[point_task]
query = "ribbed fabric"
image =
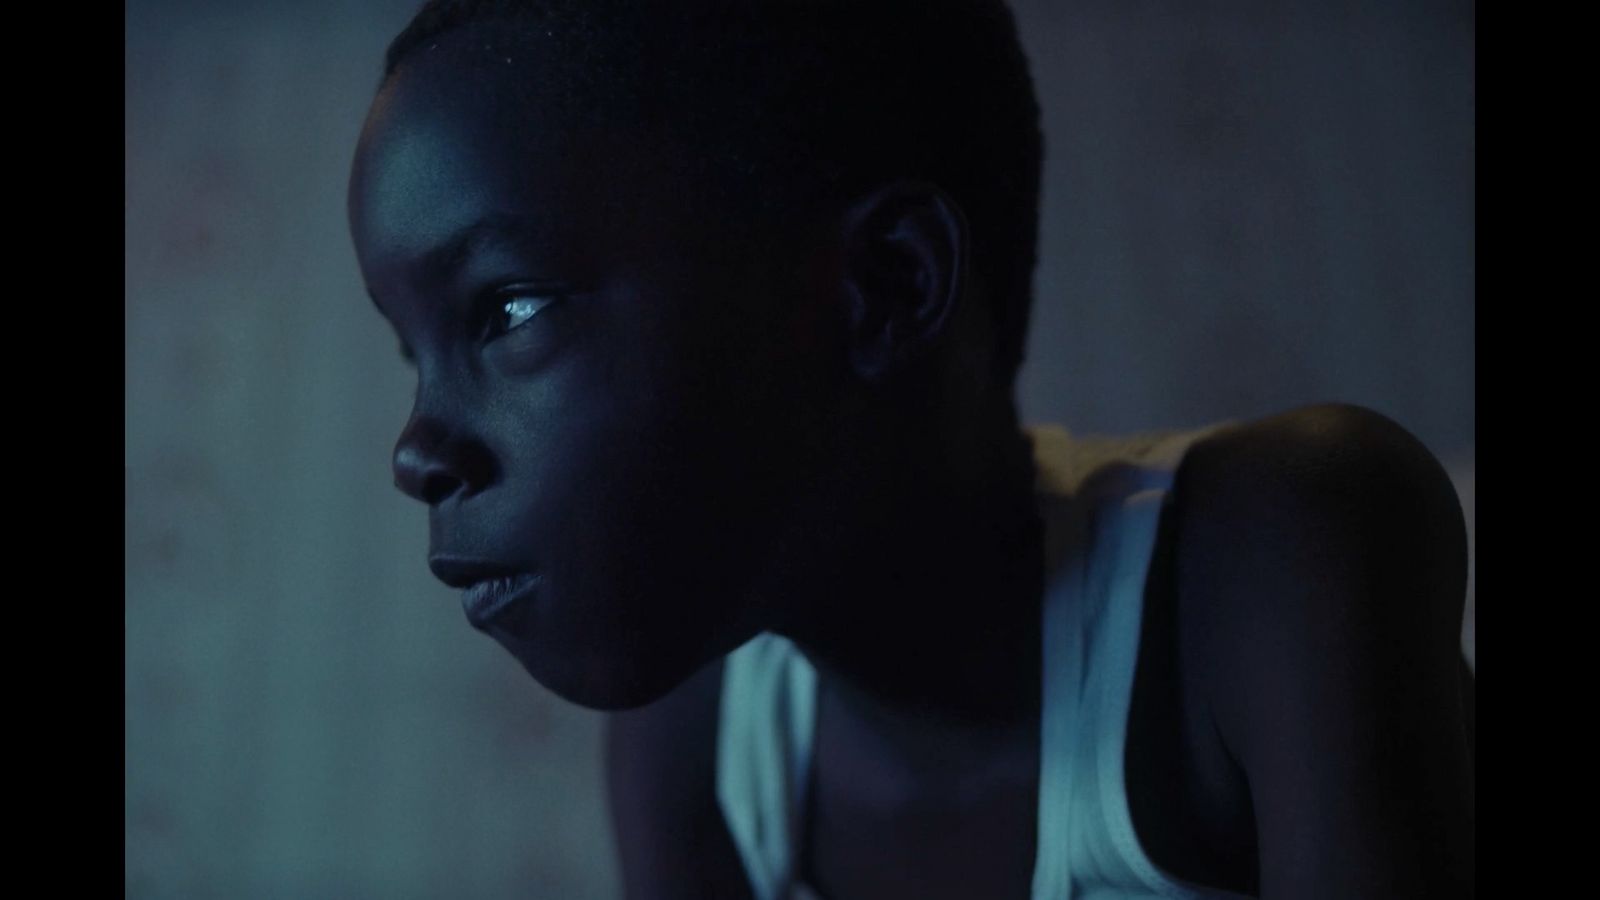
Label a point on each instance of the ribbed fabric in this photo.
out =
(1101, 503)
(767, 720)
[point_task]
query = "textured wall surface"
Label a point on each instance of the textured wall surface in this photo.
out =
(1244, 211)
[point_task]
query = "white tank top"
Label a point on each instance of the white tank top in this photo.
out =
(1101, 502)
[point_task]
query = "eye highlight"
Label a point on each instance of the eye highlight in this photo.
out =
(512, 308)
(521, 309)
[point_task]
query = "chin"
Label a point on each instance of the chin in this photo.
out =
(608, 691)
(612, 645)
(609, 676)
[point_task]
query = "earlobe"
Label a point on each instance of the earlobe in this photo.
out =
(904, 274)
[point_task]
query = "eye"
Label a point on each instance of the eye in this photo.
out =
(512, 308)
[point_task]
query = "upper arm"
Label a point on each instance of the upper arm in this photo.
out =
(1327, 551)
(661, 779)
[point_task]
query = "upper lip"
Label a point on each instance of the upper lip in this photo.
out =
(459, 572)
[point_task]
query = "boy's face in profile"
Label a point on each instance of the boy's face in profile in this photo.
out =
(613, 389)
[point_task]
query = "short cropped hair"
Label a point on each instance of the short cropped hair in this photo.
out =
(788, 104)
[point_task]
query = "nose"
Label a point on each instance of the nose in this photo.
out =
(431, 464)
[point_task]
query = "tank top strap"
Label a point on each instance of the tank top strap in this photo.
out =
(1093, 612)
(764, 736)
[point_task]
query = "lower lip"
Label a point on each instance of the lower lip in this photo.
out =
(494, 602)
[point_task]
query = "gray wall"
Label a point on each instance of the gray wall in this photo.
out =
(1244, 211)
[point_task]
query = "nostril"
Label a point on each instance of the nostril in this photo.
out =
(431, 466)
(436, 486)
(421, 469)
(420, 478)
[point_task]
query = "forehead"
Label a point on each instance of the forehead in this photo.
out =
(464, 130)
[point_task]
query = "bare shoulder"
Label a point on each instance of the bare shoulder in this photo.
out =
(1325, 468)
(1322, 516)
(1333, 445)
(1331, 493)
(1323, 551)
(661, 779)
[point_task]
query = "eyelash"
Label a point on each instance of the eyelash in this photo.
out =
(498, 307)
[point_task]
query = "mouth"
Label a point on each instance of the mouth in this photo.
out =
(490, 593)
(494, 601)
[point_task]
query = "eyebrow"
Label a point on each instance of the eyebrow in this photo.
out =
(443, 261)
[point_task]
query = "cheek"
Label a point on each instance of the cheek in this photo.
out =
(646, 581)
(651, 484)
(656, 455)
(618, 480)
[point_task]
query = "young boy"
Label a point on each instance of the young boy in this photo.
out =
(716, 311)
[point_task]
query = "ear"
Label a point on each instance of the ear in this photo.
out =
(905, 270)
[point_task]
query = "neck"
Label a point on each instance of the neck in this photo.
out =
(927, 614)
